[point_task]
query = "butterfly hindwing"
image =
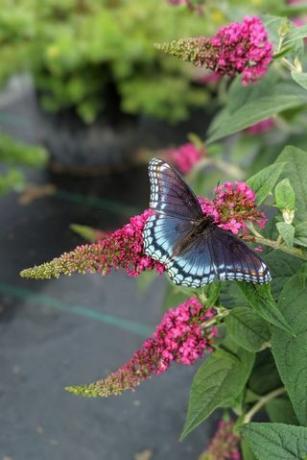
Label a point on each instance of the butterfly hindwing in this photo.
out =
(161, 234)
(169, 194)
(217, 256)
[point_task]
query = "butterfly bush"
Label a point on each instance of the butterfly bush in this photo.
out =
(121, 249)
(238, 48)
(179, 338)
(224, 445)
(233, 206)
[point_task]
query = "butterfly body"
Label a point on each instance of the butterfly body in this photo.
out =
(194, 250)
(199, 227)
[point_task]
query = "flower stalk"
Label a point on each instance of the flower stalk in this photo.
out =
(262, 402)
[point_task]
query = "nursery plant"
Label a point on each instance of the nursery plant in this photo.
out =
(15, 158)
(234, 254)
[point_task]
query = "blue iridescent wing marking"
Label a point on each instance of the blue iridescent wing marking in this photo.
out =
(214, 254)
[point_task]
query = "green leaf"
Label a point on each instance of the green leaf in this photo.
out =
(296, 172)
(246, 451)
(264, 181)
(264, 377)
(286, 231)
(284, 96)
(296, 34)
(300, 237)
(247, 329)
(261, 300)
(284, 194)
(212, 292)
(290, 352)
(219, 380)
(275, 25)
(282, 267)
(300, 78)
(276, 441)
(280, 410)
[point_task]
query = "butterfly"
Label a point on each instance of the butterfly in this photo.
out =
(194, 250)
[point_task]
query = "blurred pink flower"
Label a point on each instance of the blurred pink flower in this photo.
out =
(225, 444)
(210, 78)
(261, 127)
(184, 157)
(178, 338)
(177, 2)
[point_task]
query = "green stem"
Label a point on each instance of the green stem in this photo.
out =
(221, 314)
(262, 402)
(297, 252)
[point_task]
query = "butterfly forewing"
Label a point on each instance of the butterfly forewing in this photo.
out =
(212, 254)
(169, 194)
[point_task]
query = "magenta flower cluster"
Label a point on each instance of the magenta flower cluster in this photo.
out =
(238, 48)
(128, 244)
(184, 158)
(179, 338)
(243, 48)
(233, 206)
(225, 443)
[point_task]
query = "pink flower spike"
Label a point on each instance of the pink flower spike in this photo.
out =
(225, 443)
(238, 48)
(178, 338)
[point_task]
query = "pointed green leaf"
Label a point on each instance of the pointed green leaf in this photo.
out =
(261, 300)
(280, 410)
(296, 172)
(264, 181)
(286, 231)
(300, 237)
(219, 380)
(283, 96)
(247, 329)
(276, 441)
(284, 194)
(296, 34)
(290, 352)
(300, 78)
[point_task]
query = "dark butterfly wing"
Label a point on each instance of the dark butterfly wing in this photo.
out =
(169, 194)
(161, 234)
(218, 255)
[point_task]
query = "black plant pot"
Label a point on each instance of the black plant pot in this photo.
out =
(105, 146)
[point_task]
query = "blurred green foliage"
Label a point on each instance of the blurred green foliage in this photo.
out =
(79, 51)
(14, 154)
